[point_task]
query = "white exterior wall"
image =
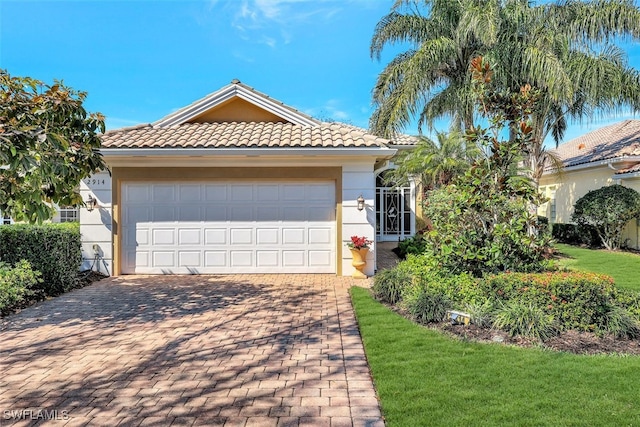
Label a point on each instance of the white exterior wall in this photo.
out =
(96, 226)
(358, 179)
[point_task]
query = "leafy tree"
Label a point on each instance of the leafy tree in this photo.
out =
(48, 143)
(436, 163)
(565, 49)
(608, 209)
(483, 223)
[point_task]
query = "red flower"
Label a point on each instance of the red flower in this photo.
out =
(359, 242)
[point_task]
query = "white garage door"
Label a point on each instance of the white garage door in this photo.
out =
(230, 227)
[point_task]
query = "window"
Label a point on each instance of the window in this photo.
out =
(552, 204)
(69, 214)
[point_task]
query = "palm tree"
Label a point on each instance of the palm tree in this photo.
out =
(431, 79)
(435, 163)
(564, 49)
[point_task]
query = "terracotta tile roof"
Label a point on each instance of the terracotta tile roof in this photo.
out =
(610, 142)
(241, 135)
(401, 139)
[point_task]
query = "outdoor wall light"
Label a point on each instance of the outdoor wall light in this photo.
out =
(91, 203)
(360, 201)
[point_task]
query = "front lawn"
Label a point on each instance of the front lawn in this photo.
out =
(426, 378)
(624, 267)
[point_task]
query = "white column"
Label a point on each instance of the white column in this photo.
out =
(96, 226)
(358, 180)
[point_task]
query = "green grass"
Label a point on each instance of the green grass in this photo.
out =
(425, 378)
(624, 267)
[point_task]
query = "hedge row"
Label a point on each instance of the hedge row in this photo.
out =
(52, 249)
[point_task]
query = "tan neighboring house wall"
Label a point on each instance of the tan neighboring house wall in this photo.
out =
(606, 156)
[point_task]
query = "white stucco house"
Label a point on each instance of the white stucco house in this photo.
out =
(238, 182)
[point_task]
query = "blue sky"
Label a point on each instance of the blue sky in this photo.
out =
(141, 60)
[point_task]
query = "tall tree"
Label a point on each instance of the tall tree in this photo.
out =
(565, 49)
(431, 79)
(48, 143)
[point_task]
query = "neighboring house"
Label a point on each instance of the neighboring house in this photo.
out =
(66, 214)
(606, 156)
(238, 182)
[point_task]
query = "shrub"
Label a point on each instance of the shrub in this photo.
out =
(630, 301)
(424, 304)
(414, 245)
(16, 284)
(620, 323)
(482, 314)
(526, 319)
(388, 285)
(52, 249)
(575, 300)
(461, 289)
(608, 209)
(483, 230)
(573, 234)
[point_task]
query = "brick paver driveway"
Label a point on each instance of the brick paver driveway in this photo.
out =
(180, 350)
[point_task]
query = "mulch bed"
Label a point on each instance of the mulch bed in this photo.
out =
(569, 341)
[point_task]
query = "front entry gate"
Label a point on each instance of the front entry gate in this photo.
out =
(393, 213)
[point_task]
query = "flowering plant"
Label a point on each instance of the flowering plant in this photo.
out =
(358, 242)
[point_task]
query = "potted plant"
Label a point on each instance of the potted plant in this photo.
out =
(359, 246)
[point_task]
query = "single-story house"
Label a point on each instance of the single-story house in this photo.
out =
(238, 182)
(606, 156)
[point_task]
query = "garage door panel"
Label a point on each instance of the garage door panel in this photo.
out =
(267, 258)
(138, 193)
(189, 258)
(215, 213)
(241, 193)
(163, 193)
(261, 227)
(241, 258)
(320, 258)
(321, 214)
(241, 236)
(215, 259)
(164, 258)
(215, 193)
(190, 213)
(294, 193)
(215, 236)
(190, 193)
(189, 236)
(137, 237)
(163, 213)
(293, 258)
(267, 236)
(320, 236)
(268, 193)
(163, 236)
(240, 213)
(293, 236)
(266, 213)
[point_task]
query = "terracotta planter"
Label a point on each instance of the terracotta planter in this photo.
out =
(359, 262)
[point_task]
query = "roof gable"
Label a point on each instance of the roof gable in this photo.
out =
(236, 102)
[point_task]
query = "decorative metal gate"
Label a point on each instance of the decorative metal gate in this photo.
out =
(393, 213)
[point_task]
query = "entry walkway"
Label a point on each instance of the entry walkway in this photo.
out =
(244, 350)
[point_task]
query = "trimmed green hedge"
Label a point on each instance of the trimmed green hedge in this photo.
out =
(16, 284)
(575, 300)
(573, 234)
(52, 249)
